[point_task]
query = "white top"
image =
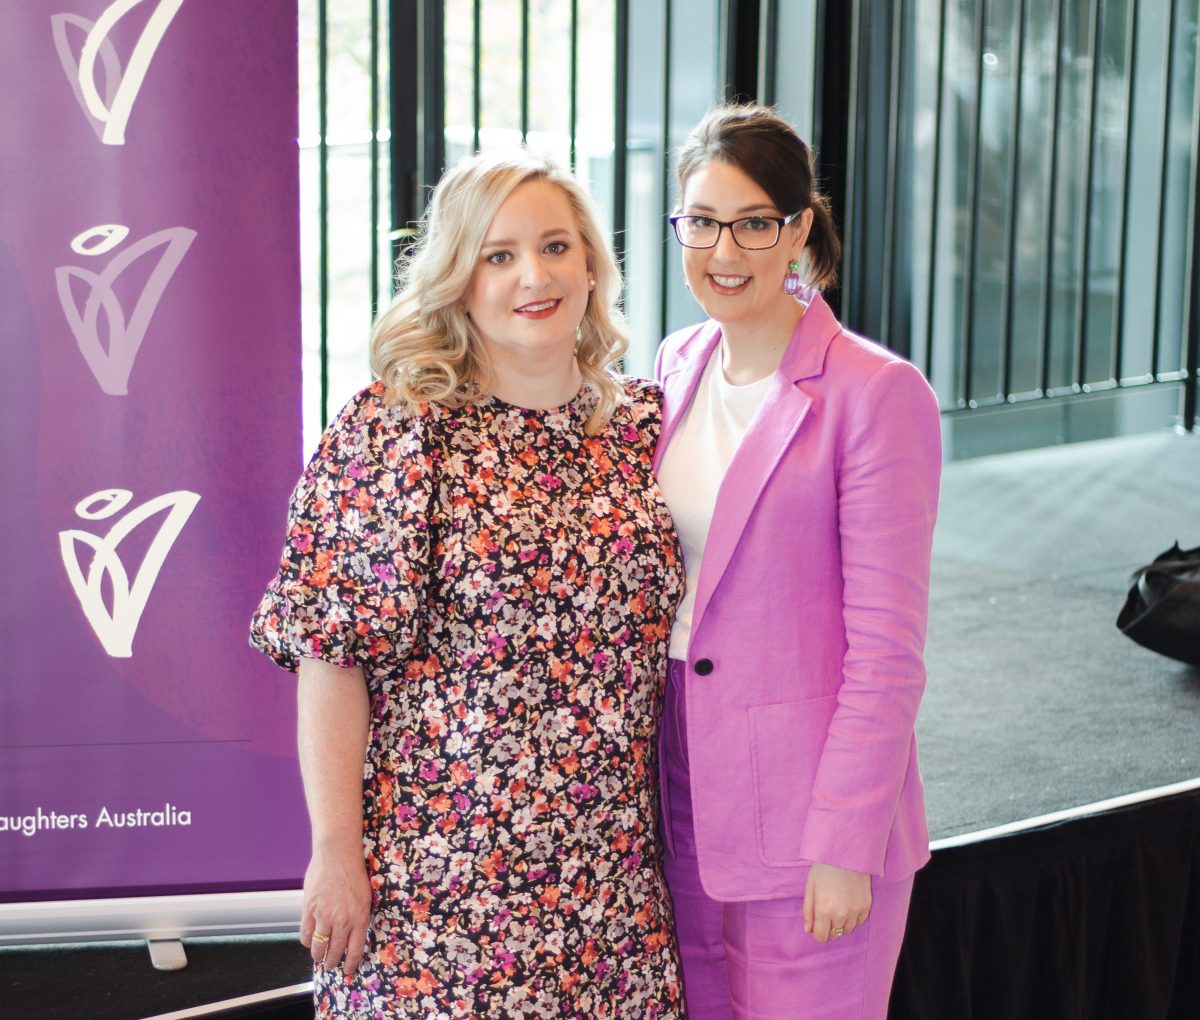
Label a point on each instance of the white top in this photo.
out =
(694, 466)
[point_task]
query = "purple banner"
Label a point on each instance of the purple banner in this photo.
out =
(149, 302)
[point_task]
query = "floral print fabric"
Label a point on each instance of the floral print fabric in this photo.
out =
(506, 583)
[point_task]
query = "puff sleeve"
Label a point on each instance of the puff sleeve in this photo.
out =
(353, 574)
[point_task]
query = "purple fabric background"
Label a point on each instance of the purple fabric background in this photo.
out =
(194, 717)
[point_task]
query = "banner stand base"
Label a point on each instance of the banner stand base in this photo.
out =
(167, 954)
(150, 918)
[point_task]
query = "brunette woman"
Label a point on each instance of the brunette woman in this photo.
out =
(801, 468)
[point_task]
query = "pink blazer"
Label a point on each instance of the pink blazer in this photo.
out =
(805, 664)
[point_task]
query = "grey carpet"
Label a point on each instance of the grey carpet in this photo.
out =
(1035, 701)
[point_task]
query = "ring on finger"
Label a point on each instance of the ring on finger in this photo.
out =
(839, 931)
(318, 937)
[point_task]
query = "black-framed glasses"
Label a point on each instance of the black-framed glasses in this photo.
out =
(750, 232)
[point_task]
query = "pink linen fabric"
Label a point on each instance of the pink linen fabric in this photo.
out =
(750, 960)
(809, 622)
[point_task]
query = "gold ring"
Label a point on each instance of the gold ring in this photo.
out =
(837, 932)
(318, 937)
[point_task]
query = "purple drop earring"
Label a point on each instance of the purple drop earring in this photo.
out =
(791, 281)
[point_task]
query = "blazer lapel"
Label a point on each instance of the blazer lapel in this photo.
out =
(680, 380)
(783, 410)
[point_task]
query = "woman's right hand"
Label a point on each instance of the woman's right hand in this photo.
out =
(337, 905)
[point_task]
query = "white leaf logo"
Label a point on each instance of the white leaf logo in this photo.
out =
(116, 627)
(111, 366)
(109, 113)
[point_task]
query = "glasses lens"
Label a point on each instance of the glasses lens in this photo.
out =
(756, 232)
(696, 231)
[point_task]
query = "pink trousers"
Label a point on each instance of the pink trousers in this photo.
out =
(752, 960)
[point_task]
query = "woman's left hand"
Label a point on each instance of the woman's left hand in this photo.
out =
(836, 901)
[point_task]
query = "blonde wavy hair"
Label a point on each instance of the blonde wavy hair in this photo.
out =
(424, 346)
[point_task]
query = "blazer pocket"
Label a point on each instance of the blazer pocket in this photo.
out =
(785, 748)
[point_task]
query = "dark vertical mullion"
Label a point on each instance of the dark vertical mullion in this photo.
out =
(966, 378)
(323, 200)
(893, 161)
(573, 102)
(476, 72)
(768, 50)
(664, 251)
(741, 32)
(1052, 204)
(524, 70)
(1089, 170)
(852, 256)
(1014, 200)
(374, 157)
(1168, 110)
(1191, 382)
(934, 204)
(1117, 365)
(833, 119)
(433, 83)
(406, 194)
(901, 305)
(620, 129)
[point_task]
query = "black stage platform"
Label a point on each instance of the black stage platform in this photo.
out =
(1036, 706)
(1061, 760)
(1035, 701)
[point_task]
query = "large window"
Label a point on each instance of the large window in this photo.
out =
(1053, 160)
(1015, 181)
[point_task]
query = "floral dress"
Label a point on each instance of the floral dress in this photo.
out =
(506, 582)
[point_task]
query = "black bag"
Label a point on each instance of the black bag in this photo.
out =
(1162, 611)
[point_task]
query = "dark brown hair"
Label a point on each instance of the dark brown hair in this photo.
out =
(766, 148)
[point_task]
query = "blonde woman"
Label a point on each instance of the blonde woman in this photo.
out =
(476, 591)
